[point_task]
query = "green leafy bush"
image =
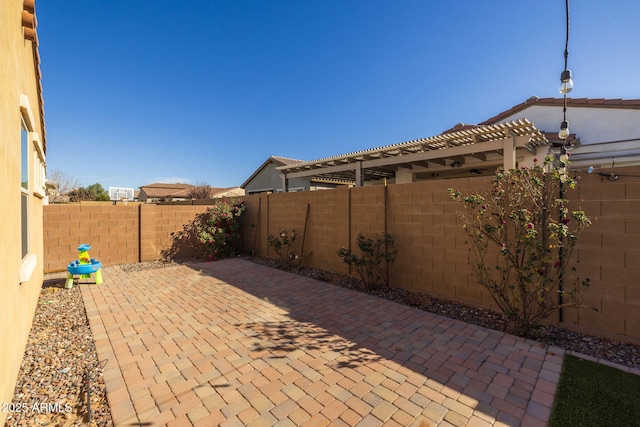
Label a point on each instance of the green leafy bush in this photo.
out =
(218, 230)
(375, 261)
(283, 245)
(521, 236)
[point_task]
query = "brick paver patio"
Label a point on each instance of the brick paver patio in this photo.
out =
(233, 343)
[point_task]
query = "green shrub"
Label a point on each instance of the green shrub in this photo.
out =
(283, 245)
(218, 230)
(375, 262)
(521, 236)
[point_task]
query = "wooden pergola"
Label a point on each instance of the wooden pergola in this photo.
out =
(488, 144)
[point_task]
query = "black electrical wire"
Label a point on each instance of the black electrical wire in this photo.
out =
(563, 151)
(566, 43)
(566, 63)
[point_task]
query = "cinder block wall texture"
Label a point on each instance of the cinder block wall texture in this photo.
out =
(117, 234)
(423, 220)
(112, 231)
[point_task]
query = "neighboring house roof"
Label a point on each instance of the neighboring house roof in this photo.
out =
(227, 192)
(606, 131)
(166, 190)
(287, 161)
(181, 191)
(571, 102)
(475, 141)
(280, 161)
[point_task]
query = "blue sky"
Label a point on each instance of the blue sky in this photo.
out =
(177, 91)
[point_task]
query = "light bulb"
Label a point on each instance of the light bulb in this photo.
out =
(564, 130)
(566, 82)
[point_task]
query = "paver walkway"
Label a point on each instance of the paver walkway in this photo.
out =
(233, 343)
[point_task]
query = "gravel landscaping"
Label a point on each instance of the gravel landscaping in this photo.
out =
(60, 356)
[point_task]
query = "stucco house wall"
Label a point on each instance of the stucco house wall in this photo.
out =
(590, 123)
(608, 130)
(20, 99)
(268, 179)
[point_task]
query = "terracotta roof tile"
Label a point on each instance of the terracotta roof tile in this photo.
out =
(161, 189)
(166, 185)
(572, 102)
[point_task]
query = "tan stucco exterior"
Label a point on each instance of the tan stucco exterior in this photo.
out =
(20, 278)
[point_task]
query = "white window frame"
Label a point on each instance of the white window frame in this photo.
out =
(30, 260)
(39, 168)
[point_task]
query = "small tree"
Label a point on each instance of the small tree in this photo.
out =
(521, 236)
(200, 191)
(94, 192)
(375, 262)
(98, 192)
(65, 183)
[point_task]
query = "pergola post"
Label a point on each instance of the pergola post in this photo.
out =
(509, 153)
(358, 174)
(404, 176)
(285, 183)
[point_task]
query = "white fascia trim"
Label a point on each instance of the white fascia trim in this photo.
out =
(27, 267)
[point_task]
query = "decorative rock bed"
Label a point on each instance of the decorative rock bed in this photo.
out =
(52, 384)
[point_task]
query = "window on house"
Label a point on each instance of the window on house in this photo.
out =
(24, 187)
(39, 173)
(27, 180)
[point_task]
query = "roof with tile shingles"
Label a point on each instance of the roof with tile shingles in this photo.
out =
(559, 102)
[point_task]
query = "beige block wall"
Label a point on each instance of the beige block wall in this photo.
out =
(326, 228)
(433, 257)
(254, 223)
(117, 234)
(433, 254)
(422, 219)
(112, 231)
(18, 300)
(171, 219)
(609, 254)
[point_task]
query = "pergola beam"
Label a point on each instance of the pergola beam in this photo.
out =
(507, 145)
(480, 142)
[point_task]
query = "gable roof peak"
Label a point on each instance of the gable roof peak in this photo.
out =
(286, 160)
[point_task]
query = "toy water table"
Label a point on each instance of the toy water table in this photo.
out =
(84, 266)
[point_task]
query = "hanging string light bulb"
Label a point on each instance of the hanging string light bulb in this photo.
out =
(564, 130)
(566, 82)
